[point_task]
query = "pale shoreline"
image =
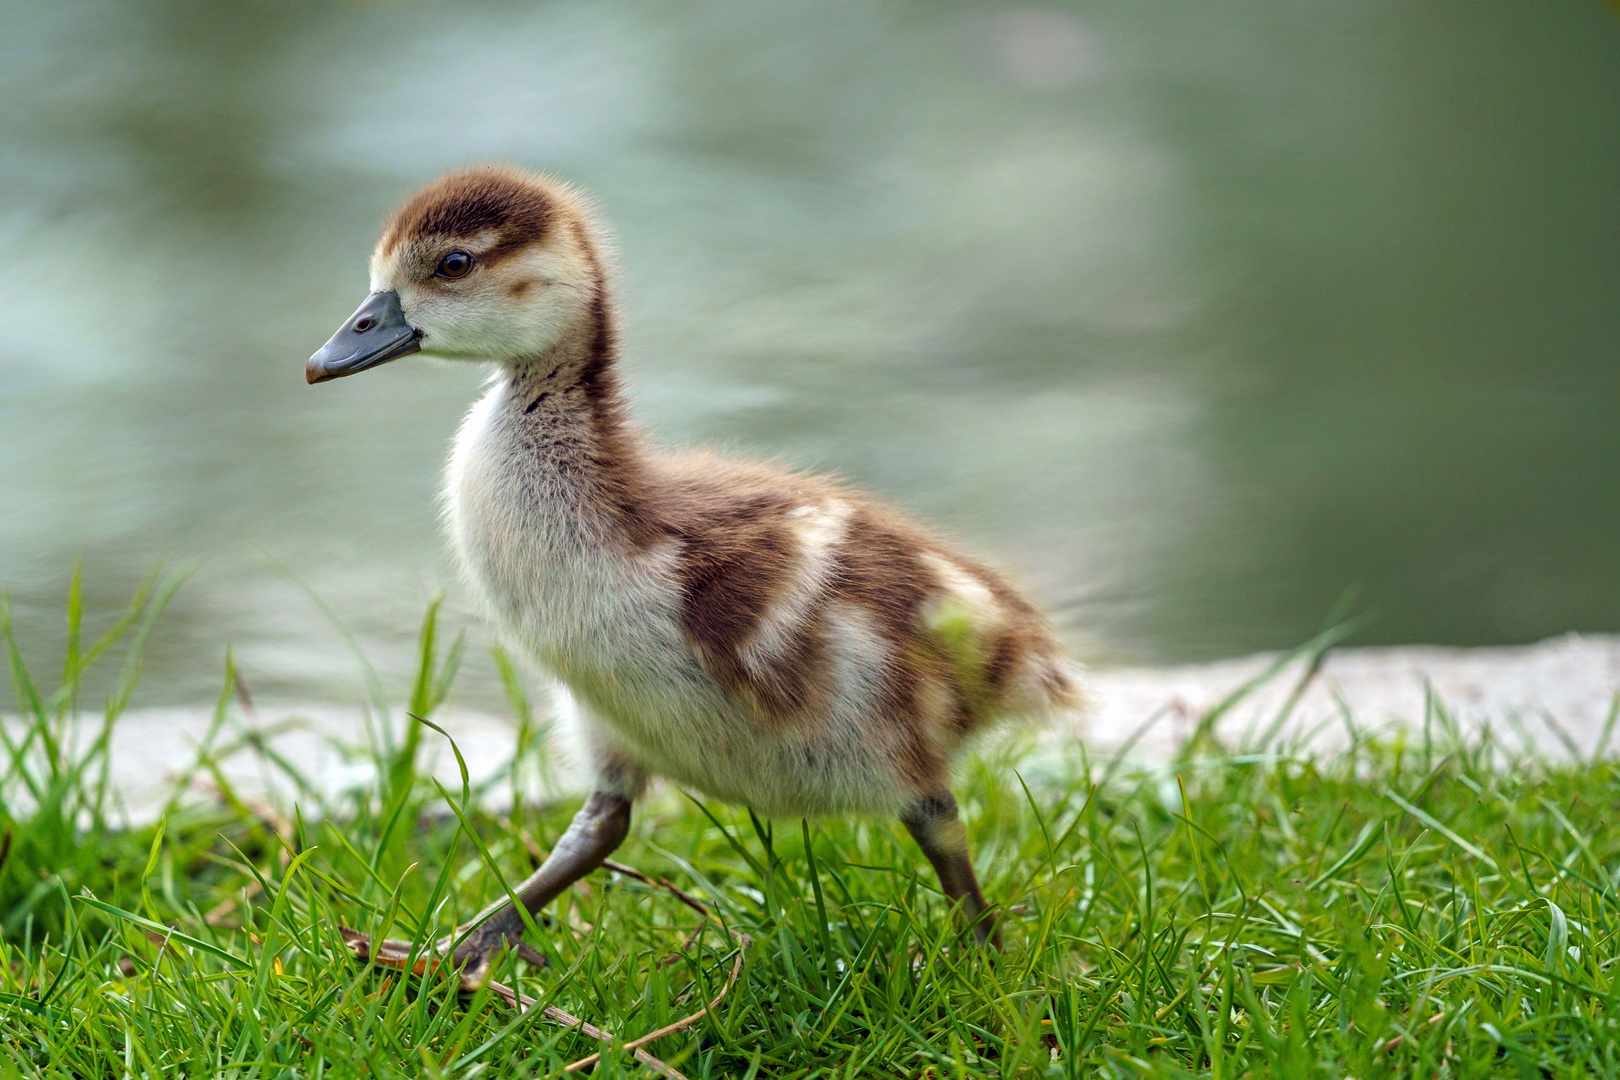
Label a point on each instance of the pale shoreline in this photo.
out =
(1553, 698)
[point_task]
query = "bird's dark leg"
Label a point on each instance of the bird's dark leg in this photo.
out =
(598, 828)
(933, 822)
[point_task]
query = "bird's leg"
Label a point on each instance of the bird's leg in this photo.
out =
(933, 822)
(598, 828)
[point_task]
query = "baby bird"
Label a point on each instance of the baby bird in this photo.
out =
(758, 635)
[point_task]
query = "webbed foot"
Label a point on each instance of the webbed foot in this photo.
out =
(482, 946)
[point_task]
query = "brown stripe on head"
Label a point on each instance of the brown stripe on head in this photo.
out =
(514, 208)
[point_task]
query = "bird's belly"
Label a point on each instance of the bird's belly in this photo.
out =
(636, 681)
(610, 635)
(691, 731)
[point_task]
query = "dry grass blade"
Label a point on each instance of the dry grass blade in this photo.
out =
(667, 885)
(662, 883)
(742, 940)
(523, 1003)
(397, 954)
(394, 954)
(686, 1022)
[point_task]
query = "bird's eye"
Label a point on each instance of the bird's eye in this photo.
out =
(457, 264)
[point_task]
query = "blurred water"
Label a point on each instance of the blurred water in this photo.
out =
(1196, 317)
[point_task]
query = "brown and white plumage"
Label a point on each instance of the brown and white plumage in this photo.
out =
(759, 635)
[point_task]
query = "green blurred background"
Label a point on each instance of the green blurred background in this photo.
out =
(1193, 315)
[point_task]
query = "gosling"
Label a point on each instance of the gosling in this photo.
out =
(761, 636)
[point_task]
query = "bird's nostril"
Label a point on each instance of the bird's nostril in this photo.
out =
(362, 325)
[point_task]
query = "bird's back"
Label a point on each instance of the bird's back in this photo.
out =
(776, 568)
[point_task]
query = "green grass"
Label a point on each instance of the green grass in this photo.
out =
(1409, 908)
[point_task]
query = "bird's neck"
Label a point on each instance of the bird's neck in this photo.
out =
(567, 412)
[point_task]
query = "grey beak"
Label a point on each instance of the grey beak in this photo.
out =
(375, 334)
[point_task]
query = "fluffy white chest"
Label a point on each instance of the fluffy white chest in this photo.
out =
(533, 542)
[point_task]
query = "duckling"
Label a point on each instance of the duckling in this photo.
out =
(761, 636)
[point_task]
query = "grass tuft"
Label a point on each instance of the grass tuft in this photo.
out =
(1431, 907)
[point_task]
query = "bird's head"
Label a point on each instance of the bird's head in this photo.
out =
(489, 264)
